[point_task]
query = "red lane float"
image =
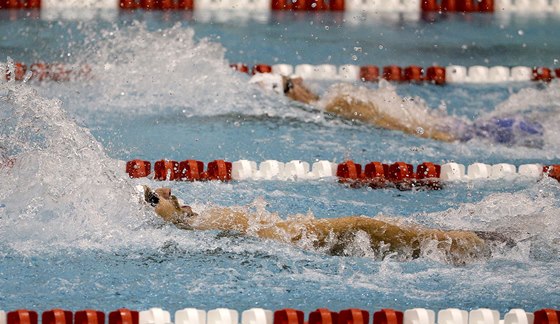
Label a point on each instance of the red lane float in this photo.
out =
(466, 6)
(288, 316)
(429, 5)
(191, 170)
(486, 5)
(337, 5)
(436, 75)
(388, 316)
(22, 316)
(349, 172)
(543, 74)
(552, 171)
(57, 316)
(449, 5)
(392, 73)
(323, 316)
(547, 316)
(240, 67)
(219, 170)
(157, 4)
(401, 175)
(261, 68)
(19, 72)
(414, 73)
(369, 73)
(20, 4)
(428, 174)
(138, 168)
(353, 316)
(375, 174)
(166, 170)
(127, 4)
(89, 316)
(123, 316)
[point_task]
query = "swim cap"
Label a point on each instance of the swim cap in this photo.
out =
(269, 81)
(511, 130)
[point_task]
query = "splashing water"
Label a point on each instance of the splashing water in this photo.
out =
(146, 72)
(62, 188)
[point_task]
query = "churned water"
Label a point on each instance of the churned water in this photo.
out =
(75, 235)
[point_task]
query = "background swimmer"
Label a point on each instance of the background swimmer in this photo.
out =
(332, 235)
(384, 108)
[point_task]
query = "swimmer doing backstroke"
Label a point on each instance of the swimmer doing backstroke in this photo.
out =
(384, 108)
(386, 237)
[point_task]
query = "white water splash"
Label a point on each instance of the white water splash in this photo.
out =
(62, 190)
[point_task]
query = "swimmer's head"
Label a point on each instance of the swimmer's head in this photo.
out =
(269, 81)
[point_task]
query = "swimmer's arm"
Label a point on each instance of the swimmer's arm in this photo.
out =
(367, 112)
(221, 219)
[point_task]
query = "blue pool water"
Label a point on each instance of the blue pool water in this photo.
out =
(74, 235)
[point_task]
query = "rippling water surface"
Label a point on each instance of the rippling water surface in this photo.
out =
(74, 235)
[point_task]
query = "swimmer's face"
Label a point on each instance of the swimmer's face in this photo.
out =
(156, 196)
(164, 193)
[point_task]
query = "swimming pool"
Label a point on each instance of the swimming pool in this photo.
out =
(74, 235)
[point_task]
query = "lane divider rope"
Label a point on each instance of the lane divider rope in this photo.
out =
(438, 75)
(428, 6)
(282, 316)
(414, 74)
(375, 174)
(41, 71)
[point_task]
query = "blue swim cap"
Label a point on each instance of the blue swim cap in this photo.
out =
(511, 130)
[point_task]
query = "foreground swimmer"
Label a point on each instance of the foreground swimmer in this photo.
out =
(384, 108)
(333, 235)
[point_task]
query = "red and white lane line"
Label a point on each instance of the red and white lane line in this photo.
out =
(283, 316)
(415, 74)
(41, 71)
(463, 6)
(373, 174)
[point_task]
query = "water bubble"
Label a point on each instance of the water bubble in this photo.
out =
(326, 27)
(381, 47)
(354, 57)
(555, 61)
(357, 49)
(420, 131)
(520, 32)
